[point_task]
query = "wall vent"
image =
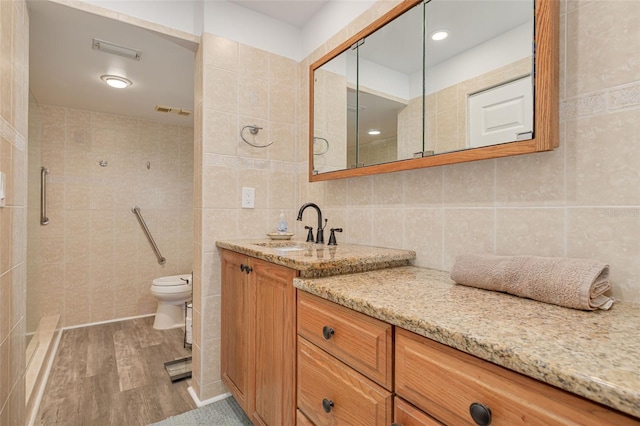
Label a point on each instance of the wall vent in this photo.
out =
(116, 49)
(178, 111)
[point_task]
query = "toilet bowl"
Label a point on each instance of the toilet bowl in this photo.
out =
(172, 292)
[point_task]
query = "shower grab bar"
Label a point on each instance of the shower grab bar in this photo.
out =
(44, 220)
(143, 224)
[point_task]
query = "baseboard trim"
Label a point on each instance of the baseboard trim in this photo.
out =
(71, 327)
(206, 401)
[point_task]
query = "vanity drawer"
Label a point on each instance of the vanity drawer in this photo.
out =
(405, 414)
(362, 342)
(329, 392)
(302, 420)
(444, 382)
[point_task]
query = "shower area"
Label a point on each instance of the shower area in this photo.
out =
(90, 261)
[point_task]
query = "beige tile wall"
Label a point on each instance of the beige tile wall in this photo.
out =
(95, 261)
(581, 200)
(237, 85)
(14, 98)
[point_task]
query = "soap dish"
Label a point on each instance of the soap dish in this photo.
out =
(280, 235)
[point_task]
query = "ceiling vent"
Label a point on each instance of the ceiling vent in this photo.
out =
(173, 110)
(116, 49)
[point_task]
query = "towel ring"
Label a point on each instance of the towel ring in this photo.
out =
(315, 138)
(254, 131)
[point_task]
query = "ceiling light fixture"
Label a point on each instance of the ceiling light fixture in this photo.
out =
(439, 35)
(374, 132)
(116, 81)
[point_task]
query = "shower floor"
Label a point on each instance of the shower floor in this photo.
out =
(114, 374)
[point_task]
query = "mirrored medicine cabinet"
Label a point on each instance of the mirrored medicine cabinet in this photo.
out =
(436, 82)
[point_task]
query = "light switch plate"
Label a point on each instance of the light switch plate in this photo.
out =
(248, 198)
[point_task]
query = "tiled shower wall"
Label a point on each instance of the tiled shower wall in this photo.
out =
(237, 85)
(95, 261)
(14, 99)
(581, 200)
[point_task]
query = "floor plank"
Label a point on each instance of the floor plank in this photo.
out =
(131, 372)
(113, 374)
(101, 350)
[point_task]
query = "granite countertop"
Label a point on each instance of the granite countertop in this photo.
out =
(319, 260)
(592, 354)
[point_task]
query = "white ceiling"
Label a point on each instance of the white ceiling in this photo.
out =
(296, 13)
(469, 23)
(64, 70)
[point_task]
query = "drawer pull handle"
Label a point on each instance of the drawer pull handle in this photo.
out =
(480, 413)
(327, 332)
(327, 405)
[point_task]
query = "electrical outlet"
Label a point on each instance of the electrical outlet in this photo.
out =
(248, 198)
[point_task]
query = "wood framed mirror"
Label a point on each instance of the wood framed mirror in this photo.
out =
(390, 98)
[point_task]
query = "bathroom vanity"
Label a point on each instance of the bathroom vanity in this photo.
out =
(366, 340)
(458, 350)
(258, 359)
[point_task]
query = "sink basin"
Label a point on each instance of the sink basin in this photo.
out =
(281, 245)
(290, 248)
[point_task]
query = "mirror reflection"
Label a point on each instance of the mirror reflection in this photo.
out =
(397, 95)
(478, 86)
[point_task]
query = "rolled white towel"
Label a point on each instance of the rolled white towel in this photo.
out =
(573, 283)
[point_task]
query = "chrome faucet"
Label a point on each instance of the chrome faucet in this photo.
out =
(320, 234)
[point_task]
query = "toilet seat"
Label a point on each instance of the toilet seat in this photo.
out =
(170, 289)
(173, 280)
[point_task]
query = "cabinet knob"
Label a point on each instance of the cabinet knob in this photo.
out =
(480, 413)
(245, 268)
(397, 424)
(327, 332)
(327, 405)
(242, 267)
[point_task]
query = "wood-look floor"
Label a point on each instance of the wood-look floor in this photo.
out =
(113, 374)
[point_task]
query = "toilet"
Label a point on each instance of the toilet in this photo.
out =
(172, 293)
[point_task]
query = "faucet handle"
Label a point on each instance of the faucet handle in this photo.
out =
(332, 237)
(310, 234)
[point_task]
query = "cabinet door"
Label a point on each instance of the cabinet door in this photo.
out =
(275, 344)
(236, 315)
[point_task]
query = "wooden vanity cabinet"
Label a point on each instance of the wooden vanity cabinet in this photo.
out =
(344, 365)
(258, 360)
(236, 322)
(445, 382)
(350, 364)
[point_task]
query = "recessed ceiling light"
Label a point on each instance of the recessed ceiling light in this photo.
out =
(439, 35)
(116, 81)
(374, 132)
